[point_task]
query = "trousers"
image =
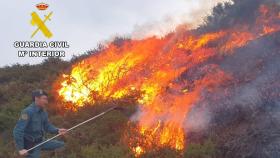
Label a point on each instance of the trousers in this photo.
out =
(51, 145)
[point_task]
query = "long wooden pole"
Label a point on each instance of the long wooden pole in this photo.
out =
(90, 119)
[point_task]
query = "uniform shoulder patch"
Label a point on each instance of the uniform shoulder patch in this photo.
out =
(24, 116)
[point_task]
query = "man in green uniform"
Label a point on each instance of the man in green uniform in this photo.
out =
(32, 125)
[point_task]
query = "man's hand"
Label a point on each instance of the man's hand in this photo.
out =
(23, 152)
(62, 131)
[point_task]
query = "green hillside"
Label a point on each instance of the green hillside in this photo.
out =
(101, 138)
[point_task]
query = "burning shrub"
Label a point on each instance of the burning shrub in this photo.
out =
(169, 76)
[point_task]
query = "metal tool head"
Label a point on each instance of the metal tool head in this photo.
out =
(119, 108)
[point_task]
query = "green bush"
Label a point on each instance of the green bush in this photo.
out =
(204, 150)
(111, 151)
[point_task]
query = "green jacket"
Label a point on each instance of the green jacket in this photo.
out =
(33, 123)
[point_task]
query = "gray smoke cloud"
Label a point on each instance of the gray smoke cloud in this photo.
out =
(191, 19)
(250, 104)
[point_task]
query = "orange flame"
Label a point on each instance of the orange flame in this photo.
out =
(153, 67)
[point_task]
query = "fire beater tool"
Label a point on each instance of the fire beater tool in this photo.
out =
(77, 125)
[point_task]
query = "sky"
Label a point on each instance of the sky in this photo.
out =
(86, 23)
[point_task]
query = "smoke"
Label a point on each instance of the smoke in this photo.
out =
(222, 74)
(194, 15)
(198, 119)
(251, 99)
(254, 69)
